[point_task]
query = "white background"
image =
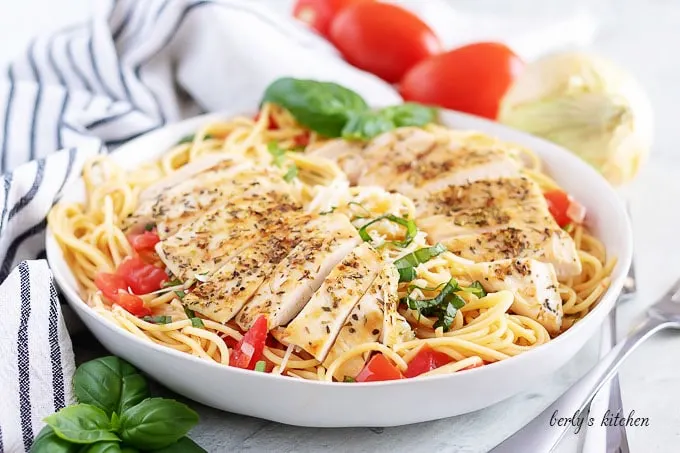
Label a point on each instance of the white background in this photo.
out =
(642, 35)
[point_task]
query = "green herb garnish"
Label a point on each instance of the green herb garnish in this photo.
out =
(149, 226)
(349, 379)
(180, 294)
(278, 153)
(116, 414)
(476, 289)
(291, 174)
(191, 137)
(410, 225)
(158, 319)
(260, 365)
(197, 323)
(171, 283)
(335, 111)
(406, 264)
(330, 211)
(444, 306)
(569, 228)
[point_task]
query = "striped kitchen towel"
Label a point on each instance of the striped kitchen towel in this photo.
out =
(136, 66)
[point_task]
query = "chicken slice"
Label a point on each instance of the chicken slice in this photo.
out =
(534, 284)
(229, 288)
(346, 154)
(482, 194)
(326, 241)
(320, 321)
(552, 246)
(200, 247)
(395, 327)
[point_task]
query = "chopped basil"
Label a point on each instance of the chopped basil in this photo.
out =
(406, 264)
(444, 306)
(191, 137)
(278, 153)
(569, 227)
(476, 289)
(149, 226)
(291, 174)
(197, 322)
(158, 319)
(356, 203)
(171, 283)
(349, 379)
(330, 211)
(180, 294)
(189, 312)
(260, 365)
(410, 225)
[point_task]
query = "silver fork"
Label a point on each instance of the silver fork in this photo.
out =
(538, 436)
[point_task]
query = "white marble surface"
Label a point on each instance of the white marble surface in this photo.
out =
(643, 36)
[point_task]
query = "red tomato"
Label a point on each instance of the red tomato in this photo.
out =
(471, 79)
(110, 285)
(378, 369)
(249, 350)
(146, 240)
(383, 39)
(133, 304)
(302, 139)
(318, 14)
(426, 360)
(558, 204)
(273, 125)
(141, 277)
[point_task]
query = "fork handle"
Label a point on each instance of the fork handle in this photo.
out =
(540, 434)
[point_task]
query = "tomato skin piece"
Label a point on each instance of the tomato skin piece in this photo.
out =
(141, 277)
(426, 360)
(110, 285)
(143, 241)
(377, 369)
(248, 351)
(318, 14)
(558, 205)
(471, 79)
(133, 304)
(383, 39)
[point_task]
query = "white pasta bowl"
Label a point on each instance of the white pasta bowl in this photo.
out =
(323, 404)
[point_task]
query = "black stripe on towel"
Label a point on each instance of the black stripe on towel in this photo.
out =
(2, 448)
(23, 365)
(95, 67)
(8, 111)
(38, 96)
(8, 187)
(55, 352)
(28, 197)
(14, 247)
(76, 69)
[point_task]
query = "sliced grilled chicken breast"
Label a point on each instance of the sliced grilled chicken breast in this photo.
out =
(395, 327)
(533, 281)
(364, 325)
(552, 246)
(326, 241)
(480, 194)
(229, 288)
(346, 154)
(200, 247)
(320, 321)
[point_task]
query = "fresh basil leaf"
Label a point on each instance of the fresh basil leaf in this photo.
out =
(330, 211)
(406, 264)
(110, 384)
(149, 226)
(410, 225)
(476, 288)
(184, 445)
(444, 306)
(366, 125)
(47, 441)
(291, 174)
(409, 114)
(156, 423)
(197, 323)
(158, 319)
(171, 283)
(260, 365)
(103, 447)
(189, 312)
(278, 154)
(81, 424)
(320, 106)
(180, 294)
(349, 379)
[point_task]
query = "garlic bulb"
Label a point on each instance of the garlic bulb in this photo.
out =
(589, 106)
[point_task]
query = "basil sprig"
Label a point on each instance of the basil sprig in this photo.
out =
(444, 305)
(406, 265)
(410, 225)
(335, 111)
(116, 415)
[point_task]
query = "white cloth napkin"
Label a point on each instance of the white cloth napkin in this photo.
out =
(134, 67)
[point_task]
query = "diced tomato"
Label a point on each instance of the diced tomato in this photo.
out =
(133, 304)
(141, 277)
(229, 341)
(558, 204)
(378, 369)
(302, 139)
(426, 360)
(110, 285)
(248, 351)
(146, 240)
(273, 125)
